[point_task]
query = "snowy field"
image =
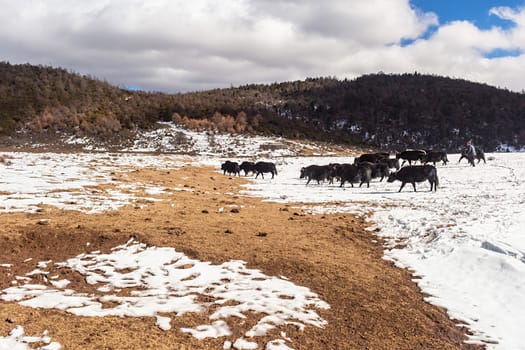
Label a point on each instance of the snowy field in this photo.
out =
(63, 180)
(465, 242)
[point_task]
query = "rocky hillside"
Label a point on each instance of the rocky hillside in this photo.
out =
(385, 111)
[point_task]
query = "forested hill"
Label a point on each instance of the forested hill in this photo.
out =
(387, 111)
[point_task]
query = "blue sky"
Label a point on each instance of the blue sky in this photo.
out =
(180, 45)
(475, 11)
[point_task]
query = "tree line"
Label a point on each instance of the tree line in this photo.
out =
(389, 111)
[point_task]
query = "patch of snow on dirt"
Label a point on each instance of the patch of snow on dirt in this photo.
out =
(162, 280)
(16, 340)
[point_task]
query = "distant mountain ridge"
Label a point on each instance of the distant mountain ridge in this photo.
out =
(384, 111)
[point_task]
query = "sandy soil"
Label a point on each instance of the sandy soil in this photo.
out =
(374, 305)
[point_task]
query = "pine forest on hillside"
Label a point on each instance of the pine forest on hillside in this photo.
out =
(386, 111)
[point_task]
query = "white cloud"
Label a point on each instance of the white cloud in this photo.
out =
(503, 12)
(181, 45)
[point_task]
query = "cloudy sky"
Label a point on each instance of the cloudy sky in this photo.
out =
(187, 45)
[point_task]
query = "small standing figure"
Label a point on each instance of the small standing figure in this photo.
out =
(470, 152)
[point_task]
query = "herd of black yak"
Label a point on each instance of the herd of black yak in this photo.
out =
(366, 167)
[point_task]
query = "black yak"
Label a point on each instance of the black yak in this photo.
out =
(416, 173)
(353, 174)
(436, 156)
(411, 156)
(231, 168)
(316, 172)
(247, 167)
(264, 167)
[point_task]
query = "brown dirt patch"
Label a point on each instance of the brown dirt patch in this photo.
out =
(374, 305)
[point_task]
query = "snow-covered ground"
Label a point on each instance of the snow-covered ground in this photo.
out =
(173, 138)
(28, 180)
(465, 242)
